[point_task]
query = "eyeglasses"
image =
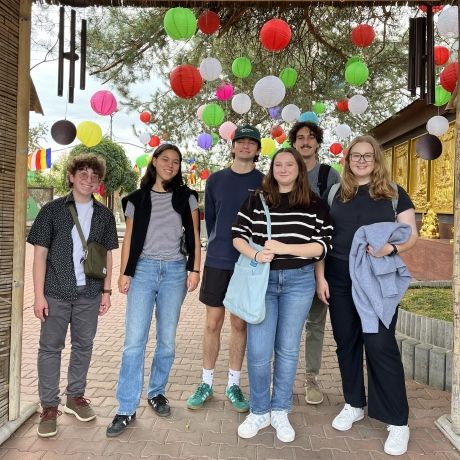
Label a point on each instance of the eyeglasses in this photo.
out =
(357, 157)
(85, 175)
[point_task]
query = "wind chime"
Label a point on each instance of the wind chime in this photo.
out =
(71, 55)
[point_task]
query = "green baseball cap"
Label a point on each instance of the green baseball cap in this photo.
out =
(247, 132)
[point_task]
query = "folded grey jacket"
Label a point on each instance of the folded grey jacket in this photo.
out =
(378, 283)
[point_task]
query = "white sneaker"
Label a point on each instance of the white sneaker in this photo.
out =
(348, 415)
(280, 422)
(398, 437)
(253, 423)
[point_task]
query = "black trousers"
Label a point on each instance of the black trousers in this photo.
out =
(386, 385)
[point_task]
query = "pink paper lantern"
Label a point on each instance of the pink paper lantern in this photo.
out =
(103, 102)
(226, 130)
(224, 92)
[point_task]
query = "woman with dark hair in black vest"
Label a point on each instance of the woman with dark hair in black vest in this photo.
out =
(162, 225)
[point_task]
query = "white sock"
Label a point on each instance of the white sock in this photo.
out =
(208, 375)
(233, 377)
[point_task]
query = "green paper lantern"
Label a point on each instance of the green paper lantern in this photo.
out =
(288, 76)
(441, 96)
(241, 67)
(338, 167)
(215, 138)
(319, 108)
(356, 74)
(143, 160)
(352, 60)
(213, 115)
(180, 23)
(286, 145)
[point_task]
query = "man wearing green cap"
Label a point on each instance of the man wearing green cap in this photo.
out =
(225, 192)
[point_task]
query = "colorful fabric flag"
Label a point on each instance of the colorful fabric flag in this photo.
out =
(41, 159)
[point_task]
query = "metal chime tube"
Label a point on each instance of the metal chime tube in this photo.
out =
(422, 68)
(72, 56)
(61, 52)
(430, 74)
(83, 54)
(411, 67)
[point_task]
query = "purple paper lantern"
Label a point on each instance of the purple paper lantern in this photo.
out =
(204, 141)
(103, 102)
(224, 92)
(275, 113)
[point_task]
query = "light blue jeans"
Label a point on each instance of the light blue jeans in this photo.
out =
(160, 284)
(288, 301)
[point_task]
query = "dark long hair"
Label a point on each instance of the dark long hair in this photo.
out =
(150, 176)
(301, 195)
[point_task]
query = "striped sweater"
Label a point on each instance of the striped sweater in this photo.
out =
(289, 225)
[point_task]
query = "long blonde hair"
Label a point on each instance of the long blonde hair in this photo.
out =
(379, 185)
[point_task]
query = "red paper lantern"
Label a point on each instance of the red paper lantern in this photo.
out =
(335, 148)
(145, 117)
(276, 131)
(441, 55)
(436, 9)
(101, 189)
(342, 105)
(275, 35)
(280, 139)
(362, 35)
(448, 77)
(186, 81)
(208, 22)
(204, 174)
(154, 141)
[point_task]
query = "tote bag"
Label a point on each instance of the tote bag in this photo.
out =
(245, 296)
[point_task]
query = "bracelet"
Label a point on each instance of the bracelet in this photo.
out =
(194, 271)
(255, 256)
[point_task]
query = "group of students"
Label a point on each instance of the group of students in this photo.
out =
(308, 253)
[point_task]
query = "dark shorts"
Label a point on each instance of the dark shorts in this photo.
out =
(214, 285)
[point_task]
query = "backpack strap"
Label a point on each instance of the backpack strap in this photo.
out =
(394, 200)
(332, 193)
(322, 178)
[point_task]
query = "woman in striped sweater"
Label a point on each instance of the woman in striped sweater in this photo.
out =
(301, 234)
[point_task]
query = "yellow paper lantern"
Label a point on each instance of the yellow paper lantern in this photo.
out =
(89, 133)
(267, 146)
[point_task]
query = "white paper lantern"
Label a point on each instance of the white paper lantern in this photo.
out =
(448, 22)
(342, 131)
(357, 104)
(226, 129)
(241, 103)
(437, 125)
(290, 113)
(199, 112)
(144, 137)
(210, 69)
(269, 91)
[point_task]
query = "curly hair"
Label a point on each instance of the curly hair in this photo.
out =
(379, 185)
(313, 127)
(83, 161)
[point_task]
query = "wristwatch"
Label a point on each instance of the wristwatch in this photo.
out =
(395, 250)
(107, 291)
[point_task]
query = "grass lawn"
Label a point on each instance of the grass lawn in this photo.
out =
(432, 302)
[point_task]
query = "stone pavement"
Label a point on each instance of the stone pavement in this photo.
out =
(211, 432)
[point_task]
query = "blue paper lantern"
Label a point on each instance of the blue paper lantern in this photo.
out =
(309, 116)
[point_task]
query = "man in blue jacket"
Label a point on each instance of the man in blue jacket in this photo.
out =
(225, 192)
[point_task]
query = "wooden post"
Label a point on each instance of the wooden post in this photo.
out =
(20, 199)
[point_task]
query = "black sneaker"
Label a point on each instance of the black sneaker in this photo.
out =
(160, 405)
(119, 424)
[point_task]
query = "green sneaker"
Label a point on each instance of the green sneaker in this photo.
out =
(235, 396)
(201, 395)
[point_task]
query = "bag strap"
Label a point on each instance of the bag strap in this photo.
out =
(73, 211)
(332, 193)
(267, 216)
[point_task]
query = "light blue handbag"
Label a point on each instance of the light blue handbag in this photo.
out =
(245, 296)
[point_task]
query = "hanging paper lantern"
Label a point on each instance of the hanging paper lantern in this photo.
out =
(89, 133)
(241, 67)
(275, 113)
(448, 22)
(224, 91)
(199, 112)
(428, 147)
(267, 146)
(185, 81)
(342, 131)
(362, 35)
(208, 22)
(269, 91)
(210, 69)
(180, 23)
(356, 73)
(275, 35)
(441, 55)
(352, 60)
(290, 113)
(103, 102)
(63, 132)
(437, 125)
(226, 130)
(241, 103)
(276, 131)
(441, 96)
(280, 139)
(213, 115)
(144, 138)
(338, 167)
(215, 138)
(357, 104)
(204, 140)
(436, 9)
(145, 117)
(204, 174)
(309, 116)
(342, 105)
(448, 77)
(143, 160)
(335, 148)
(288, 76)
(319, 108)
(154, 141)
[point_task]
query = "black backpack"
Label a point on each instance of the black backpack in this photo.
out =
(322, 178)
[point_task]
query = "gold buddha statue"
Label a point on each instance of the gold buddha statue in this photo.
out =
(430, 224)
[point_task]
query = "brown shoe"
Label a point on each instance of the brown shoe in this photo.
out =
(80, 407)
(48, 426)
(313, 394)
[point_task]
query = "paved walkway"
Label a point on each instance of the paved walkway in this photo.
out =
(211, 432)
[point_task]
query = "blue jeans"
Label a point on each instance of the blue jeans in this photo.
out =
(161, 284)
(288, 300)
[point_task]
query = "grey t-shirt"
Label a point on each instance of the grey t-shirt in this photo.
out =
(332, 178)
(165, 227)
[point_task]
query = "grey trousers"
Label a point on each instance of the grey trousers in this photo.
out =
(314, 336)
(82, 315)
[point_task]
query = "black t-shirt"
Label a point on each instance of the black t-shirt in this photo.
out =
(361, 210)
